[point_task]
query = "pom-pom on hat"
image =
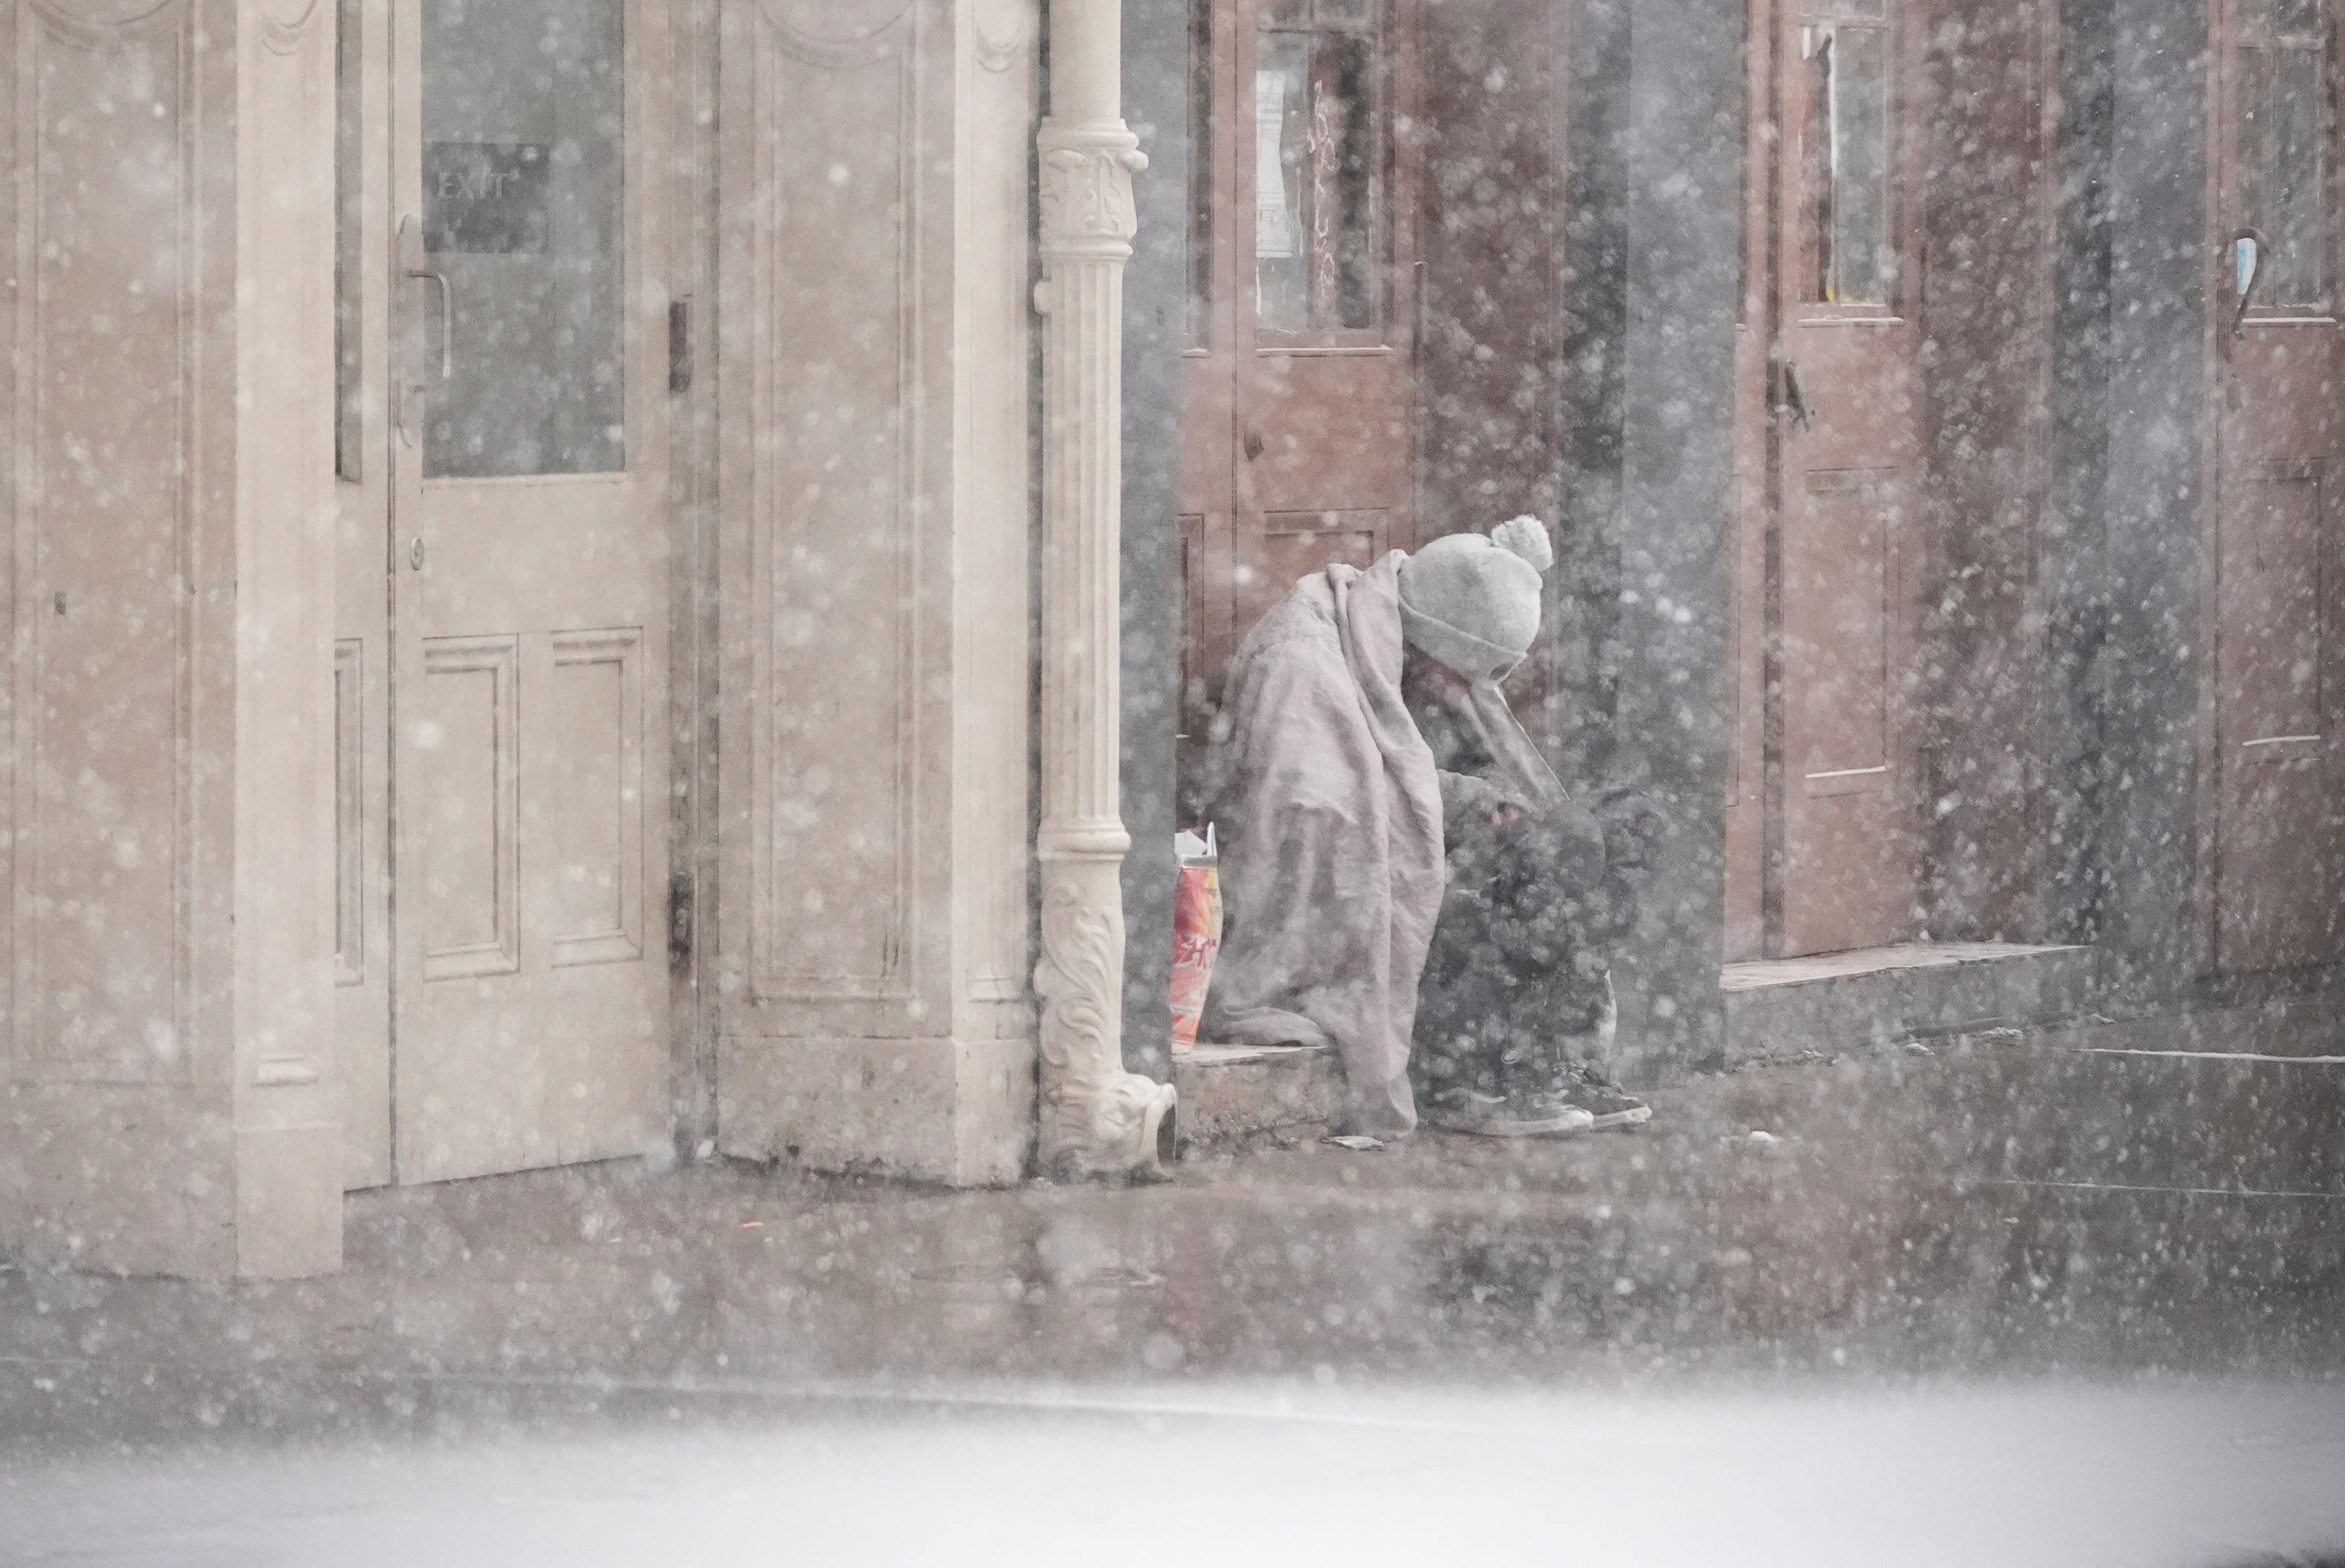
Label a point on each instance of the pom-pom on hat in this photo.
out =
(1473, 602)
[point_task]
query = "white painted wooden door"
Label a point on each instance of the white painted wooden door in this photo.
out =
(530, 583)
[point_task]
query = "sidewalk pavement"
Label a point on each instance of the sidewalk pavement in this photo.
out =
(1993, 1212)
(2100, 1297)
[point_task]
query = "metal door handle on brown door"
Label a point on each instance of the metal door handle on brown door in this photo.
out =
(1796, 401)
(1253, 445)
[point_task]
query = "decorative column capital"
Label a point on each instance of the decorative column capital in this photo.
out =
(1088, 214)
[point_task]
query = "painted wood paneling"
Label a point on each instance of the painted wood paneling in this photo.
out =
(824, 226)
(102, 266)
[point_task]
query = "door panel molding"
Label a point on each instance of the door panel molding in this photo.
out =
(618, 937)
(1841, 713)
(825, 223)
(872, 32)
(475, 834)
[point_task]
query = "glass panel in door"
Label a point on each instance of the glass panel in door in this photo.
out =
(1318, 167)
(2283, 169)
(1848, 161)
(522, 200)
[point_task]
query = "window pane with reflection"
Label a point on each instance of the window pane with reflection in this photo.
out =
(2282, 153)
(1318, 155)
(1848, 163)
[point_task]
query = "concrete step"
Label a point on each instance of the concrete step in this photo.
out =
(2106, 1105)
(1242, 1097)
(1780, 1009)
(2097, 1107)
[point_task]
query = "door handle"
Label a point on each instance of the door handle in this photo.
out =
(415, 553)
(1253, 445)
(447, 318)
(415, 265)
(1796, 401)
(413, 262)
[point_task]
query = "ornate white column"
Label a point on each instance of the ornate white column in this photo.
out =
(1096, 1118)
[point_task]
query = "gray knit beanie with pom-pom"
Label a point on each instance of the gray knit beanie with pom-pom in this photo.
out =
(1473, 602)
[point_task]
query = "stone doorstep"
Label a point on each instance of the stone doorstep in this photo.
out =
(1778, 1010)
(1240, 1096)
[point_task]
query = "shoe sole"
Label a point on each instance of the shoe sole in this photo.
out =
(1474, 1127)
(1637, 1118)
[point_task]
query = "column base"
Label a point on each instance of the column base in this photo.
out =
(1097, 1119)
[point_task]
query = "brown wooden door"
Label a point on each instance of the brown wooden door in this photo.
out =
(1299, 388)
(1842, 803)
(2275, 693)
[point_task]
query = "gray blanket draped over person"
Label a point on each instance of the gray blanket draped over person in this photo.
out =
(1330, 819)
(1345, 843)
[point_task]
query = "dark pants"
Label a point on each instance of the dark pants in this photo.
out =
(1516, 982)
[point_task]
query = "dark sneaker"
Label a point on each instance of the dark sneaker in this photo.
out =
(1606, 1107)
(1488, 1116)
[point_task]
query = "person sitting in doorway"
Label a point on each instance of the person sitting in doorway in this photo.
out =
(1403, 877)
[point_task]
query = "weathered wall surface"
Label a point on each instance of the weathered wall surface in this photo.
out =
(1644, 573)
(2126, 598)
(1492, 308)
(1492, 304)
(1985, 222)
(1685, 179)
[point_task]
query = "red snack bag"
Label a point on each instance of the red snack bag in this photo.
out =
(1196, 933)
